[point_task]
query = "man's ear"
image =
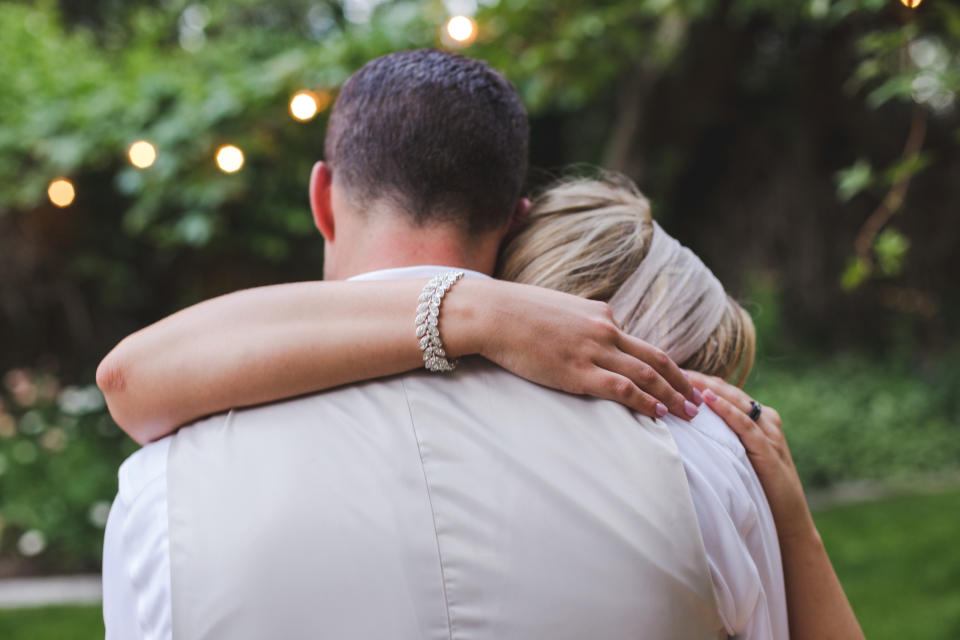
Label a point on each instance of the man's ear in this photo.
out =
(321, 183)
(518, 217)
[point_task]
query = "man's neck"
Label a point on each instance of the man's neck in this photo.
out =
(421, 247)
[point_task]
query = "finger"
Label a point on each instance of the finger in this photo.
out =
(661, 362)
(772, 417)
(769, 426)
(750, 434)
(699, 380)
(732, 394)
(651, 382)
(620, 388)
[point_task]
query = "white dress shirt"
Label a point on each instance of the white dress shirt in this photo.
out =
(735, 521)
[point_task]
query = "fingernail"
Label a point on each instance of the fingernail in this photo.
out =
(690, 408)
(661, 409)
(697, 398)
(709, 395)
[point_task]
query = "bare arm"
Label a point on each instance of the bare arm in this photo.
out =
(817, 607)
(269, 343)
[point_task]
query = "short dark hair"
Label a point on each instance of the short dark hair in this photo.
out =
(442, 136)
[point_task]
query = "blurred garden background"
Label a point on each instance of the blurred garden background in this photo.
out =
(153, 154)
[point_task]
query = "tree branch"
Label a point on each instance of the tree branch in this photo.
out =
(894, 199)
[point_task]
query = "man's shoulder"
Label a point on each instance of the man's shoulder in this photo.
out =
(735, 520)
(485, 387)
(478, 391)
(710, 426)
(475, 376)
(342, 401)
(148, 464)
(142, 468)
(719, 472)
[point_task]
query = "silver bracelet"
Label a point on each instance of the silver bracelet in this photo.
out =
(428, 319)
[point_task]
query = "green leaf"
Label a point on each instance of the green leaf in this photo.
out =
(195, 229)
(855, 274)
(908, 167)
(891, 248)
(853, 179)
(898, 86)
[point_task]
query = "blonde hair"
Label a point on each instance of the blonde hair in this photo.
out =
(588, 236)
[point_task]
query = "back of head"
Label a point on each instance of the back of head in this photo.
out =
(437, 135)
(582, 236)
(593, 238)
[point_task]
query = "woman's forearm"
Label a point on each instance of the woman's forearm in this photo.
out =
(819, 609)
(816, 605)
(269, 343)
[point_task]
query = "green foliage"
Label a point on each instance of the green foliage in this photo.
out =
(59, 453)
(189, 77)
(766, 309)
(899, 564)
(853, 179)
(913, 63)
(77, 120)
(855, 273)
(560, 59)
(891, 248)
(916, 63)
(848, 417)
(906, 167)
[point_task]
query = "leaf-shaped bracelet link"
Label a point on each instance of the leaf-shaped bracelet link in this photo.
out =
(428, 321)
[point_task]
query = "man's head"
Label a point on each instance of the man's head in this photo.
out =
(434, 138)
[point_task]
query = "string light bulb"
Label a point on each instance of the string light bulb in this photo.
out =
(61, 192)
(229, 158)
(462, 30)
(142, 154)
(304, 106)
(912, 4)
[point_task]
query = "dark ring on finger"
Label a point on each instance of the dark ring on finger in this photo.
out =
(755, 410)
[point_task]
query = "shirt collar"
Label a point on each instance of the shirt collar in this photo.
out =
(411, 273)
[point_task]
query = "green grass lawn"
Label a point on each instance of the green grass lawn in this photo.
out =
(899, 562)
(898, 559)
(52, 623)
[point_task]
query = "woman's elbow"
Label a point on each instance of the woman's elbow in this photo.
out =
(111, 377)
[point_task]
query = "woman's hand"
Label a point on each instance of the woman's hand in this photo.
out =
(265, 344)
(767, 449)
(817, 607)
(571, 344)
